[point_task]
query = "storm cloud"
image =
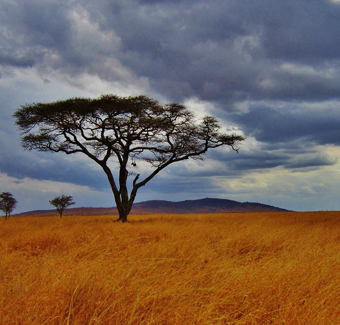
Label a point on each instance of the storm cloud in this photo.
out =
(269, 69)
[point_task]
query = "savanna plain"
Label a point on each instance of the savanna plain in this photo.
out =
(249, 268)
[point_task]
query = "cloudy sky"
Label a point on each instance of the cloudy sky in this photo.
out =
(267, 69)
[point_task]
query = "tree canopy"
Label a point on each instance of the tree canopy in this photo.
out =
(125, 129)
(7, 203)
(61, 203)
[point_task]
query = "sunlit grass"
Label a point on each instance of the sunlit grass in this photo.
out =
(264, 268)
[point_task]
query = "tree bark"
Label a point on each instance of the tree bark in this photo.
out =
(122, 202)
(124, 209)
(122, 217)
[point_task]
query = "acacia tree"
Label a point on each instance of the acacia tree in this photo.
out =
(7, 203)
(61, 203)
(126, 129)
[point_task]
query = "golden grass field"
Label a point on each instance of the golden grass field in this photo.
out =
(250, 268)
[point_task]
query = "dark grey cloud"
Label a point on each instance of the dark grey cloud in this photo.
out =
(30, 29)
(300, 30)
(291, 124)
(237, 165)
(48, 167)
(225, 51)
(267, 160)
(311, 162)
(17, 61)
(274, 58)
(220, 51)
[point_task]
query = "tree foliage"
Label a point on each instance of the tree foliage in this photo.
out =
(62, 202)
(7, 203)
(126, 129)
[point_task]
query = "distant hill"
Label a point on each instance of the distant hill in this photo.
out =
(156, 207)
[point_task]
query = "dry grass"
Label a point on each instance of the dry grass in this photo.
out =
(264, 268)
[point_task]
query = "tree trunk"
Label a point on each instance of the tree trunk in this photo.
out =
(122, 217)
(124, 208)
(121, 197)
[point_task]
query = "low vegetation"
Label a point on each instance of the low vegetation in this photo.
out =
(256, 268)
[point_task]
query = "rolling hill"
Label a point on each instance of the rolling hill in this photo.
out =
(206, 205)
